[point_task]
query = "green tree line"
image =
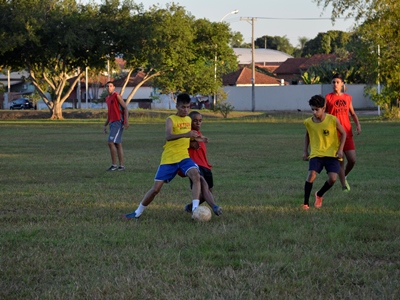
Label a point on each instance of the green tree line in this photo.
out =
(55, 40)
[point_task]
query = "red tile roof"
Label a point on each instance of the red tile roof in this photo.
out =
(296, 65)
(244, 75)
(291, 66)
(317, 59)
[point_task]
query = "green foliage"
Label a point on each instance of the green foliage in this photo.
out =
(275, 42)
(237, 40)
(388, 99)
(310, 78)
(222, 107)
(326, 43)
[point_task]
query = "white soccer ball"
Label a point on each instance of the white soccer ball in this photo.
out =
(202, 214)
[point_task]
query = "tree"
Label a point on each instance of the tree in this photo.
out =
(178, 52)
(237, 40)
(298, 50)
(53, 39)
(274, 42)
(378, 44)
(327, 43)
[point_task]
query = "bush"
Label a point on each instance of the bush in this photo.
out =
(222, 106)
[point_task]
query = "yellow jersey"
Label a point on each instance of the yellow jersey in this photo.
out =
(177, 150)
(324, 140)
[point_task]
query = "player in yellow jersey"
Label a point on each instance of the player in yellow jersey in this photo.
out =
(326, 149)
(175, 156)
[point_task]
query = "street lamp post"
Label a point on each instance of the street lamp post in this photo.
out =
(234, 12)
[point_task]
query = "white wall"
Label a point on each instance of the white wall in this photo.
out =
(290, 97)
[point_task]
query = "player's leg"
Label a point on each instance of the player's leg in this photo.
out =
(332, 166)
(120, 153)
(351, 161)
(207, 196)
(342, 177)
(194, 176)
(349, 150)
(312, 174)
(113, 152)
(147, 199)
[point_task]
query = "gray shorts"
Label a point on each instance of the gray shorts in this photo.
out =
(116, 130)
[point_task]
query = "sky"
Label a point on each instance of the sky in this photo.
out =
(263, 10)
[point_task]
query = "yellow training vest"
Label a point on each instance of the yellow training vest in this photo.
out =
(177, 150)
(324, 140)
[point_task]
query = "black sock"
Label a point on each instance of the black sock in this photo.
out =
(307, 192)
(324, 189)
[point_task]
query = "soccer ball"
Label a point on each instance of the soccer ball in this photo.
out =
(202, 214)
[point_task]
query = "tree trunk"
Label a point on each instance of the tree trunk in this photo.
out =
(57, 111)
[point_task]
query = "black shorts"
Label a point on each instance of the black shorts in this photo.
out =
(331, 164)
(208, 176)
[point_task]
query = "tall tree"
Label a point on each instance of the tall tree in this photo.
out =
(54, 40)
(178, 52)
(326, 43)
(275, 42)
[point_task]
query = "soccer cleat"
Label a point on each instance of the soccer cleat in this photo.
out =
(305, 207)
(121, 168)
(347, 185)
(217, 210)
(188, 207)
(318, 201)
(112, 168)
(131, 216)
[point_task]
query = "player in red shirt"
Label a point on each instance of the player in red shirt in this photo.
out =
(340, 105)
(118, 120)
(198, 153)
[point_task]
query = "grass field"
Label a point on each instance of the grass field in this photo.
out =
(62, 236)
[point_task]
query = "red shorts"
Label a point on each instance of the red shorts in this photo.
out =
(349, 144)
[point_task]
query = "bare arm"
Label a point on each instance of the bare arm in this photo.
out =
(125, 108)
(342, 132)
(306, 145)
(355, 119)
(169, 136)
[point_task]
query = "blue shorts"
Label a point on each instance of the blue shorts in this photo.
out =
(116, 130)
(168, 172)
(331, 164)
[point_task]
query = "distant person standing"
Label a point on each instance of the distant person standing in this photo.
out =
(118, 120)
(340, 105)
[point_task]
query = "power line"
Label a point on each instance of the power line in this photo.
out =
(296, 19)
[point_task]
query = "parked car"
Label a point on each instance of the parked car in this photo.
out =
(21, 103)
(200, 102)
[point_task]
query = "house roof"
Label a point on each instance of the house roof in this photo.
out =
(244, 75)
(296, 65)
(317, 59)
(291, 66)
(261, 56)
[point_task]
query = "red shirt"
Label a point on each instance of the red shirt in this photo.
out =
(199, 156)
(115, 111)
(339, 106)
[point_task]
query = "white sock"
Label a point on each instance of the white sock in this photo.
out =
(140, 209)
(195, 204)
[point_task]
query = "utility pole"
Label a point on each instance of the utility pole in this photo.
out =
(253, 79)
